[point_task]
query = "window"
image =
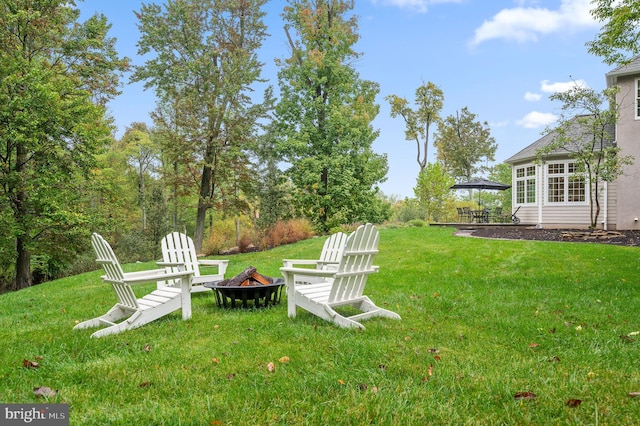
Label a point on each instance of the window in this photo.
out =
(637, 98)
(563, 185)
(526, 185)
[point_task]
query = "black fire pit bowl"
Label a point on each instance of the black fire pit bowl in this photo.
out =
(258, 296)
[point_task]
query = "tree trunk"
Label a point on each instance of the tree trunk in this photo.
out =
(175, 197)
(23, 265)
(23, 277)
(203, 206)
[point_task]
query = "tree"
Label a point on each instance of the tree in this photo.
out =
(57, 74)
(205, 61)
(324, 118)
(429, 101)
(433, 190)
(462, 144)
(273, 187)
(502, 173)
(585, 131)
(142, 155)
(618, 40)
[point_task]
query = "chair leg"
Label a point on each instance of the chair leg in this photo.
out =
(114, 314)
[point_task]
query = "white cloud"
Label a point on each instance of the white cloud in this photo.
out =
(532, 97)
(496, 124)
(523, 24)
(420, 6)
(561, 86)
(537, 119)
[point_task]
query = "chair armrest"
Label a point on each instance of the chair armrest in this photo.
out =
(288, 263)
(221, 264)
(154, 275)
(170, 264)
(309, 272)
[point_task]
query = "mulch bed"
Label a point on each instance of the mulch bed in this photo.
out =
(621, 238)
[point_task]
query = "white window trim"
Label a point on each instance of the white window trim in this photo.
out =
(636, 97)
(565, 175)
(524, 179)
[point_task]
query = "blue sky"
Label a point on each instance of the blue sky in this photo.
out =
(502, 59)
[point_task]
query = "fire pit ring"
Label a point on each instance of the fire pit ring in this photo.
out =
(247, 286)
(260, 296)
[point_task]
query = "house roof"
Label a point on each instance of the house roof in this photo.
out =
(632, 68)
(575, 131)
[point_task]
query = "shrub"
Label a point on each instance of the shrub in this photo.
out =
(416, 223)
(223, 235)
(287, 232)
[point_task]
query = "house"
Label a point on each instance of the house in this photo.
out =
(547, 194)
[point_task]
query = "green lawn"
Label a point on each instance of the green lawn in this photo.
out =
(482, 320)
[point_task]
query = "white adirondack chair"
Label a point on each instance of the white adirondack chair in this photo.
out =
(130, 310)
(329, 259)
(341, 287)
(178, 251)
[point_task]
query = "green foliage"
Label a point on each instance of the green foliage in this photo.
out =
(204, 62)
(617, 41)
(481, 321)
(324, 118)
(407, 210)
(142, 156)
(433, 191)
(57, 74)
(429, 101)
(500, 173)
(273, 189)
(464, 145)
(585, 132)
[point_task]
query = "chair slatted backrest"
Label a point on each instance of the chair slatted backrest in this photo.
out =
(332, 249)
(179, 248)
(356, 264)
(113, 272)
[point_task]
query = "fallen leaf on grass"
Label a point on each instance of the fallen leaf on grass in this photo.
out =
(634, 394)
(437, 358)
(374, 389)
(574, 402)
(29, 364)
(363, 386)
(231, 376)
(430, 370)
(341, 381)
(271, 367)
(627, 339)
(45, 392)
(147, 348)
(284, 359)
(554, 359)
(434, 351)
(533, 345)
(525, 396)
(216, 361)
(145, 385)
